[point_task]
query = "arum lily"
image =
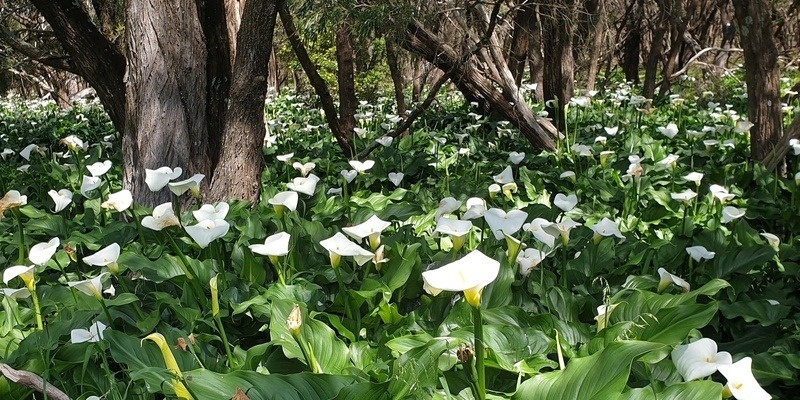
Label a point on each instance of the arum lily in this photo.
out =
(720, 193)
(470, 274)
(285, 157)
(62, 199)
(741, 383)
(91, 287)
(601, 139)
(6, 152)
(92, 335)
(12, 199)
(204, 232)
(26, 273)
(362, 167)
(603, 314)
(73, 143)
(611, 131)
(105, 257)
(684, 196)
(305, 185)
(274, 246)
(507, 176)
(582, 150)
(334, 191)
(529, 259)
(208, 211)
(731, 213)
(456, 229)
(667, 279)
(385, 141)
(699, 359)
(446, 206)
(669, 131)
(568, 175)
(773, 240)
(171, 363)
(350, 175)
(283, 201)
(41, 253)
(89, 183)
(119, 201)
(516, 157)
(563, 228)
(537, 228)
(605, 156)
(504, 223)
(191, 184)
(99, 169)
(21, 293)
(564, 202)
(695, 177)
(476, 207)
(339, 246)
(156, 179)
(26, 152)
(508, 189)
(163, 217)
(494, 189)
(304, 169)
(396, 177)
(606, 228)
(699, 252)
(371, 228)
(668, 161)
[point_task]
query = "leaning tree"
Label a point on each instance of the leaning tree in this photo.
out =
(185, 84)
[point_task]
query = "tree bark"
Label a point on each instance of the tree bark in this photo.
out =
(633, 42)
(596, 32)
(345, 60)
(238, 172)
(559, 64)
(762, 74)
(398, 80)
(524, 23)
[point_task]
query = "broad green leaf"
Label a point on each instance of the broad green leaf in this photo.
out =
(305, 386)
(763, 311)
(706, 390)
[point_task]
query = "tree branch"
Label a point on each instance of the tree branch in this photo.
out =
(28, 50)
(33, 381)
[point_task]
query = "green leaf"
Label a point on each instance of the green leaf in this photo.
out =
(206, 384)
(706, 390)
(601, 376)
(762, 311)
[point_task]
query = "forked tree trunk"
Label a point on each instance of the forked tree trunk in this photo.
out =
(762, 74)
(477, 79)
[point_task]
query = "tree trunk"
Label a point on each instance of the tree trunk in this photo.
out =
(633, 42)
(762, 74)
(166, 97)
(559, 64)
(596, 32)
(524, 24)
(468, 75)
(345, 61)
(238, 172)
(398, 80)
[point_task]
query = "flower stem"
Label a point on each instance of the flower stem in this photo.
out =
(20, 237)
(36, 308)
(221, 328)
(479, 353)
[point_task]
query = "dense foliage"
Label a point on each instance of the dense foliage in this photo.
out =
(650, 215)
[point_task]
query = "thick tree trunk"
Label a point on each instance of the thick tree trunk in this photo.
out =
(524, 24)
(633, 42)
(345, 60)
(596, 31)
(479, 79)
(398, 80)
(559, 64)
(762, 74)
(166, 97)
(238, 172)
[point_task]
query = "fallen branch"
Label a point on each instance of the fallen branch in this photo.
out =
(33, 381)
(695, 57)
(778, 153)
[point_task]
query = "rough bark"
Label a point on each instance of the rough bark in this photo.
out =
(238, 172)
(398, 80)
(524, 23)
(596, 11)
(559, 65)
(478, 79)
(655, 55)
(345, 61)
(166, 96)
(103, 67)
(762, 74)
(633, 41)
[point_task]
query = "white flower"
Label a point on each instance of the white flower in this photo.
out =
(12, 199)
(93, 335)
(563, 228)
(731, 213)
(206, 231)
(349, 175)
(41, 253)
(362, 167)
(89, 183)
(453, 227)
(794, 145)
(568, 175)
(529, 259)
(516, 157)
(274, 245)
(741, 382)
(191, 184)
(305, 185)
(476, 207)
(537, 228)
(22, 271)
(470, 274)
(285, 157)
(611, 131)
(304, 169)
(119, 201)
(446, 206)
(163, 216)
(334, 191)
(385, 141)
(62, 199)
(158, 178)
(90, 287)
(720, 193)
(699, 252)
(564, 202)
(106, 256)
(507, 176)
(99, 168)
(669, 131)
(603, 314)
(582, 150)
(695, 177)
(606, 228)
(371, 228)
(6, 152)
(26, 152)
(773, 240)
(284, 200)
(502, 223)
(339, 246)
(699, 359)
(74, 143)
(667, 279)
(396, 177)
(684, 196)
(207, 211)
(668, 161)
(21, 293)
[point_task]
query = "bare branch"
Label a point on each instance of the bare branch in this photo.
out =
(33, 381)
